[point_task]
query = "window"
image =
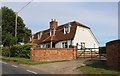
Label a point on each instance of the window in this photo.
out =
(31, 37)
(47, 45)
(52, 31)
(64, 44)
(39, 35)
(82, 45)
(67, 29)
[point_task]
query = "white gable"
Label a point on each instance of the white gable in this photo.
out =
(86, 36)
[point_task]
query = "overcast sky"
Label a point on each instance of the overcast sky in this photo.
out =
(101, 17)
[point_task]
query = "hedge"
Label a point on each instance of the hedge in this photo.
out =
(17, 51)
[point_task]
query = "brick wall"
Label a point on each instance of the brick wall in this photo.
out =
(113, 54)
(52, 54)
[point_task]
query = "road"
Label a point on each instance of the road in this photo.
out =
(8, 68)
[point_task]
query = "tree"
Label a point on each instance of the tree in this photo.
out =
(0, 28)
(9, 40)
(8, 27)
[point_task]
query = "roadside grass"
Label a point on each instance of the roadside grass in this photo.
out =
(27, 61)
(97, 67)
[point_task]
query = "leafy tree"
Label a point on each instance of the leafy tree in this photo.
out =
(0, 32)
(8, 27)
(0, 27)
(9, 40)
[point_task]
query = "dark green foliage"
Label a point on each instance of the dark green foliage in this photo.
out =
(9, 40)
(18, 51)
(102, 50)
(8, 27)
(21, 51)
(5, 51)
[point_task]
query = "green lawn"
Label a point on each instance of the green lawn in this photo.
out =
(27, 61)
(98, 67)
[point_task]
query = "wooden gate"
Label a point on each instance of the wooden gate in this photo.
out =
(84, 52)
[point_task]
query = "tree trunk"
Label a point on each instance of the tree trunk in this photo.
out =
(9, 51)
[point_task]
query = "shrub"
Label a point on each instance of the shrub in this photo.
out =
(5, 51)
(18, 51)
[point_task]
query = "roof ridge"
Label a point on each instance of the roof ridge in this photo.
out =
(78, 24)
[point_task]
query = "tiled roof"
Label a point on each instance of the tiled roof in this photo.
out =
(59, 33)
(35, 41)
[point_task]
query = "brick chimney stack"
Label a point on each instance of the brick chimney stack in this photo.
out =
(53, 23)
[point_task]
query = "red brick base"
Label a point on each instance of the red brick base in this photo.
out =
(53, 54)
(113, 54)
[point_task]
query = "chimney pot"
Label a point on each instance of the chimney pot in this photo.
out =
(51, 19)
(53, 23)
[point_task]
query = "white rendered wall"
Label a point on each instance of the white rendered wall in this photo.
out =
(59, 44)
(85, 35)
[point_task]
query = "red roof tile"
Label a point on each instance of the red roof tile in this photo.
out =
(59, 33)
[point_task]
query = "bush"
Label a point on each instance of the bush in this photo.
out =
(18, 51)
(5, 51)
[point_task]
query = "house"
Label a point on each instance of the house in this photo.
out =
(65, 36)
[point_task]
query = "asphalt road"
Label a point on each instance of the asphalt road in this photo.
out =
(13, 69)
(8, 69)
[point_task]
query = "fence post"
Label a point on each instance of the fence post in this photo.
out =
(75, 52)
(91, 53)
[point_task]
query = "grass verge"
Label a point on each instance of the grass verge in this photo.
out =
(27, 61)
(98, 67)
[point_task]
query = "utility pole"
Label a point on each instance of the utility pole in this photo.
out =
(16, 24)
(17, 16)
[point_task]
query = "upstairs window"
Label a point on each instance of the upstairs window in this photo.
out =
(39, 35)
(31, 37)
(67, 29)
(52, 31)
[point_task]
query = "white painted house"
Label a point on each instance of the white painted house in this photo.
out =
(65, 36)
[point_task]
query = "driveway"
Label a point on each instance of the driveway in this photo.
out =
(68, 67)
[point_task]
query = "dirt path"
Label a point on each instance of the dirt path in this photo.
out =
(68, 67)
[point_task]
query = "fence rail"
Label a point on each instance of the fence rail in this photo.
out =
(86, 54)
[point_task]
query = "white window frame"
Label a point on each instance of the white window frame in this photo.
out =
(47, 45)
(67, 28)
(52, 31)
(65, 44)
(39, 35)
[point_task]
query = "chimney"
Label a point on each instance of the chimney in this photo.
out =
(53, 23)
